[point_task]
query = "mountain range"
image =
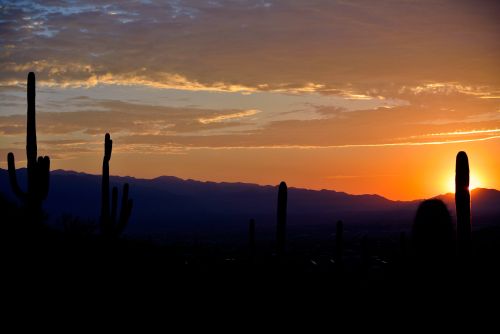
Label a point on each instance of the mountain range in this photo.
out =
(168, 206)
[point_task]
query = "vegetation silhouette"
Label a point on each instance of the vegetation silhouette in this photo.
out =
(463, 206)
(110, 226)
(77, 246)
(38, 169)
(433, 235)
(281, 220)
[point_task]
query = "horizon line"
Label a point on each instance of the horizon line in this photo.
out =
(257, 184)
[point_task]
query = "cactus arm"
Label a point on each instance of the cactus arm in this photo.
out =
(13, 177)
(124, 195)
(123, 222)
(44, 176)
(125, 211)
(114, 205)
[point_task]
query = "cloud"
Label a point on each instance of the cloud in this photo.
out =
(117, 117)
(154, 128)
(357, 48)
(224, 118)
(437, 60)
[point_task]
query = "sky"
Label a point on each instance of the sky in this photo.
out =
(357, 96)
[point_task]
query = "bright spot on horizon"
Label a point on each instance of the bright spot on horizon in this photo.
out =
(474, 182)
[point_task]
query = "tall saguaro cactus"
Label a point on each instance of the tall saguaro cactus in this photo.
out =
(38, 169)
(462, 202)
(281, 219)
(109, 225)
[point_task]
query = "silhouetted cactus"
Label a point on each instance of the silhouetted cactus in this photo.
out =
(462, 202)
(281, 220)
(339, 242)
(251, 239)
(432, 233)
(109, 225)
(38, 169)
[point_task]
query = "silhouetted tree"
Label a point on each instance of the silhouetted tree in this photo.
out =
(462, 203)
(281, 220)
(38, 169)
(433, 234)
(109, 225)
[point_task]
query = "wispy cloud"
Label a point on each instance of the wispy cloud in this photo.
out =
(224, 118)
(459, 133)
(315, 147)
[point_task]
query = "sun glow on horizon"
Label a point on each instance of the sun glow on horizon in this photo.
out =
(475, 181)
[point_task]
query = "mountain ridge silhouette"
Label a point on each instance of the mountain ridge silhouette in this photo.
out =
(168, 205)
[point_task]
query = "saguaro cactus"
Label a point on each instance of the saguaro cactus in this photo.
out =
(281, 219)
(38, 169)
(109, 225)
(462, 202)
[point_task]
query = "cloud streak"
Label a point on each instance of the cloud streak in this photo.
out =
(224, 118)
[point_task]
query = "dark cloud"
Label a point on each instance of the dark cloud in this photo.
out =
(372, 47)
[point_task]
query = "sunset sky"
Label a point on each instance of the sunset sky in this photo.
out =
(355, 96)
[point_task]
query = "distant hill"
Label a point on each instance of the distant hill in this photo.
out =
(171, 206)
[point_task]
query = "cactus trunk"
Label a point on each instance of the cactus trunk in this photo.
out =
(112, 227)
(281, 220)
(462, 202)
(38, 169)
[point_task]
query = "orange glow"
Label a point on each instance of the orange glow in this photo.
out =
(363, 97)
(474, 182)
